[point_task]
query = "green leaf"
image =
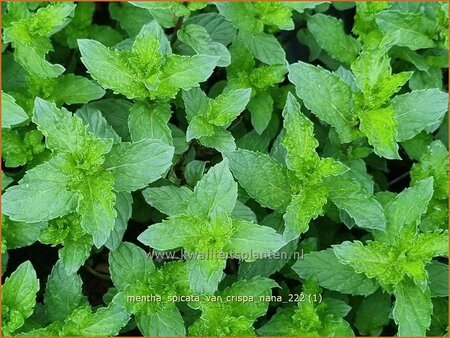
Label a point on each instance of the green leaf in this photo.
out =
(331, 101)
(205, 274)
(170, 200)
(195, 102)
(106, 321)
(183, 72)
(28, 201)
(129, 264)
(227, 106)
(373, 76)
(257, 287)
(439, 317)
(194, 171)
(242, 16)
(123, 209)
(158, 236)
(304, 207)
(261, 107)
(412, 30)
(329, 34)
(150, 121)
(13, 114)
(135, 165)
(30, 37)
(215, 194)
(219, 29)
(373, 314)
(428, 245)
(19, 234)
(264, 179)
(200, 127)
(380, 127)
(143, 39)
(96, 123)
(110, 69)
(129, 17)
(265, 267)
(412, 309)
(377, 260)
(438, 279)
(298, 139)
(222, 140)
(63, 294)
(333, 275)
(116, 112)
(165, 322)
(20, 148)
(72, 89)
(63, 132)
(434, 162)
(349, 195)
(243, 212)
(406, 210)
(252, 17)
(75, 253)
(264, 47)
(252, 239)
(197, 37)
(19, 297)
(418, 110)
(96, 206)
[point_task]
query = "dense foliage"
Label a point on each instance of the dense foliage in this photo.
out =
(224, 169)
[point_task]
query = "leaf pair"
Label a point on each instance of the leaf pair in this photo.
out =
(209, 118)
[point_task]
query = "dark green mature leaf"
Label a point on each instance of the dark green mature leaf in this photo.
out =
(333, 275)
(331, 101)
(264, 178)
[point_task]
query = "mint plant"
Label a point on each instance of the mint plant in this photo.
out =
(224, 169)
(205, 227)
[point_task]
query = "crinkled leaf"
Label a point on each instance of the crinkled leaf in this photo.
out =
(264, 179)
(170, 200)
(329, 34)
(331, 101)
(96, 206)
(215, 194)
(412, 309)
(380, 127)
(63, 293)
(418, 110)
(135, 165)
(19, 297)
(333, 275)
(129, 264)
(199, 40)
(28, 201)
(150, 122)
(349, 195)
(257, 238)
